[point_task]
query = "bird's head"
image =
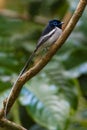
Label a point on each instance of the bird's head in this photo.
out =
(56, 23)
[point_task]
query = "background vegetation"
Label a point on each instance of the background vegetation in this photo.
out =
(56, 99)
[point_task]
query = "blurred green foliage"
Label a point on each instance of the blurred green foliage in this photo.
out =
(54, 98)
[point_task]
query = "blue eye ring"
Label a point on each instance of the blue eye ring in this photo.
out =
(55, 23)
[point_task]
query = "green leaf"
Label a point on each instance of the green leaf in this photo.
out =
(50, 105)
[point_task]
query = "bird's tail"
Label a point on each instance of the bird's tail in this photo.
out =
(27, 64)
(21, 73)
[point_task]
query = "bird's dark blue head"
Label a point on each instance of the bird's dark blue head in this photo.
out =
(51, 25)
(55, 23)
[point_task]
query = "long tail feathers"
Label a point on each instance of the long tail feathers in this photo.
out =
(22, 72)
(27, 63)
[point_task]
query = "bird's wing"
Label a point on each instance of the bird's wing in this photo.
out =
(44, 38)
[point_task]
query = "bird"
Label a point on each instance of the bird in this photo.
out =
(48, 37)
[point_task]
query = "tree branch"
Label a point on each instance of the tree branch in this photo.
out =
(39, 66)
(13, 14)
(10, 125)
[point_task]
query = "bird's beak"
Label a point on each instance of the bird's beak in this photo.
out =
(62, 23)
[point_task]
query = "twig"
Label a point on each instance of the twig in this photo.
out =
(10, 125)
(13, 14)
(39, 66)
(25, 17)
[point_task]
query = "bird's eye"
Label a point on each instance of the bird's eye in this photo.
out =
(55, 23)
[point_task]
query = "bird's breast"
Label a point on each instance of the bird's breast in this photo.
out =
(52, 39)
(55, 36)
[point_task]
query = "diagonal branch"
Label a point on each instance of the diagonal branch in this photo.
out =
(39, 66)
(10, 125)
